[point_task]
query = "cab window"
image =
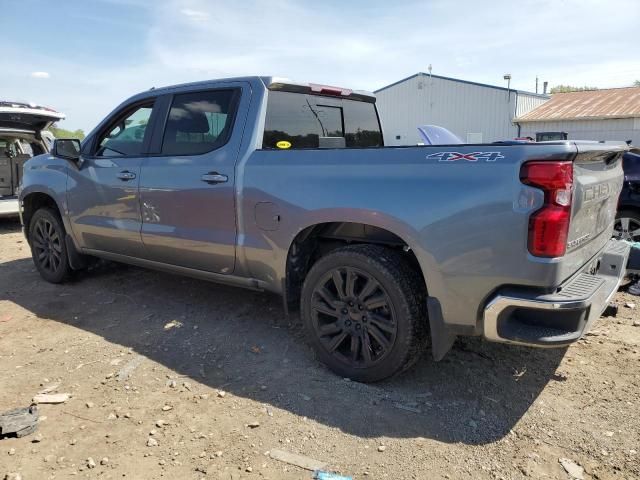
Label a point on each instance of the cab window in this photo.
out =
(125, 137)
(199, 122)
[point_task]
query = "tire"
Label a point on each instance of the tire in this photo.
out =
(48, 248)
(627, 222)
(364, 311)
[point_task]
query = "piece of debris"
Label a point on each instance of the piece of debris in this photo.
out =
(152, 442)
(320, 475)
(636, 323)
(51, 398)
(574, 470)
(297, 460)
(12, 451)
(249, 469)
(50, 388)
(90, 404)
(253, 424)
(160, 423)
(630, 305)
(129, 368)
(91, 463)
(221, 393)
(37, 438)
(407, 408)
(13, 476)
(173, 324)
(166, 408)
(610, 311)
(19, 422)
(518, 374)
(382, 448)
(104, 461)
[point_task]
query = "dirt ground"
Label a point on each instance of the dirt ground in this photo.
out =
(217, 379)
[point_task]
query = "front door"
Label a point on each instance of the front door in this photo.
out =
(187, 186)
(102, 194)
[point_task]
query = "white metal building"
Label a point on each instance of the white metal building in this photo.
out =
(475, 112)
(609, 114)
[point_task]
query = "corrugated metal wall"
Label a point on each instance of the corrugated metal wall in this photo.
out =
(526, 103)
(464, 108)
(612, 129)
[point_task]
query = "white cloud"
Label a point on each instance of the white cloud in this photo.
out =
(195, 14)
(40, 75)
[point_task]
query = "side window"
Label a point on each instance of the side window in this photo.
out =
(199, 122)
(362, 125)
(125, 137)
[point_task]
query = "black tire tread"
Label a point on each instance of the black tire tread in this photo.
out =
(55, 216)
(395, 266)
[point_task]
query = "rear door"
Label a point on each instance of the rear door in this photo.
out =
(187, 182)
(103, 195)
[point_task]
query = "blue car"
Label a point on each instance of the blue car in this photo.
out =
(628, 218)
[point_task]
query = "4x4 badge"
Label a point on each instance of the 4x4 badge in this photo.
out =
(469, 157)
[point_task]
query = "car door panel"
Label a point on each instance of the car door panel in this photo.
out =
(103, 192)
(187, 198)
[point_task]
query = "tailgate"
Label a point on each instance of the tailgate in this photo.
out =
(24, 117)
(598, 178)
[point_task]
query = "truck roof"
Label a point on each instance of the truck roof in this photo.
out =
(282, 84)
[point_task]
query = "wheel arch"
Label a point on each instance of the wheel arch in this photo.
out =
(34, 200)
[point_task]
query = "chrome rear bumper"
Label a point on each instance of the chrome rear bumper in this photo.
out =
(560, 318)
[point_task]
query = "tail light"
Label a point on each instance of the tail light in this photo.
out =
(549, 226)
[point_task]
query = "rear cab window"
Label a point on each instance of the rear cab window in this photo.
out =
(298, 120)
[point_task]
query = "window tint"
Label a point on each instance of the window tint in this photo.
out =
(302, 120)
(126, 136)
(290, 118)
(199, 122)
(362, 125)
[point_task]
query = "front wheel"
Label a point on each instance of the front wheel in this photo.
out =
(364, 310)
(48, 248)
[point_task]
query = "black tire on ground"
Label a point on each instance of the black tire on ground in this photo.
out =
(48, 248)
(364, 311)
(627, 222)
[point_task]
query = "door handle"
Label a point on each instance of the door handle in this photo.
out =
(124, 176)
(214, 177)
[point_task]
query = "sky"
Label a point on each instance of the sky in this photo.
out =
(84, 58)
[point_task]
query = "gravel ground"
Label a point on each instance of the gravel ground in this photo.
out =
(177, 378)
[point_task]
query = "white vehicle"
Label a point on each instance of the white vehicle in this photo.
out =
(23, 134)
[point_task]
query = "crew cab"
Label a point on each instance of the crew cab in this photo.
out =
(23, 134)
(272, 185)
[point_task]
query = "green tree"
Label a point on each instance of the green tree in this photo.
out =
(569, 88)
(62, 133)
(636, 83)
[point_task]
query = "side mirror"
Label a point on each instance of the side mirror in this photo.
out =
(67, 148)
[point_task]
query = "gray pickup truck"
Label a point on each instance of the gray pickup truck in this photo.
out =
(272, 185)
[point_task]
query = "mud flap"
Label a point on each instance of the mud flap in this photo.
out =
(77, 261)
(441, 338)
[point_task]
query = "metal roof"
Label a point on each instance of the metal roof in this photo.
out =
(462, 81)
(587, 105)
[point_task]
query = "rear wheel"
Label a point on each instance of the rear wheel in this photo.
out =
(48, 249)
(364, 309)
(627, 226)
